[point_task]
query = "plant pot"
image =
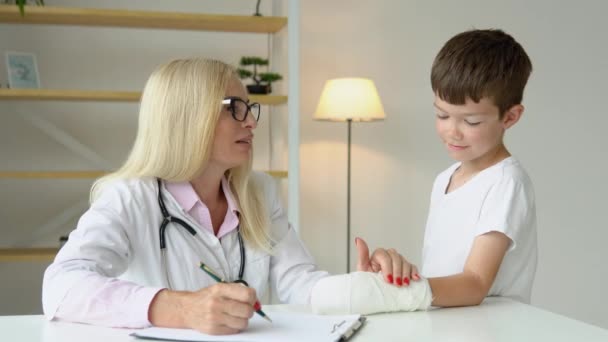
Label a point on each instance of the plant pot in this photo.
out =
(259, 89)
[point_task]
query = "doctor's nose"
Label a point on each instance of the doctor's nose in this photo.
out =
(250, 121)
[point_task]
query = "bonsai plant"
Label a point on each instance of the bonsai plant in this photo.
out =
(263, 80)
(21, 5)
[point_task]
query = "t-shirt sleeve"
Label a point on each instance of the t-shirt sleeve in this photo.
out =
(506, 209)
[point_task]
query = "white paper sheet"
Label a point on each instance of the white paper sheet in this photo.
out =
(286, 326)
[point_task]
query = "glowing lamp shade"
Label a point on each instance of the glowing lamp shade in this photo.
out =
(346, 99)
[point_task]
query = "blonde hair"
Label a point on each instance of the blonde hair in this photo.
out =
(178, 114)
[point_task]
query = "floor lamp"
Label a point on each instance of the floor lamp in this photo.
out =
(349, 99)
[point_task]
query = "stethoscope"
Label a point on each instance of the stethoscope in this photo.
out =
(163, 245)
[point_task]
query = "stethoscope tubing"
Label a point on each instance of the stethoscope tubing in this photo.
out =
(167, 218)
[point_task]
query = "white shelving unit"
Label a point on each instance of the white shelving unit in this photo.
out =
(49, 15)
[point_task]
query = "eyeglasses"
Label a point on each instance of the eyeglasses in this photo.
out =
(240, 108)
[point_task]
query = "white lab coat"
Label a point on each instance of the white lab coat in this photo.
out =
(118, 237)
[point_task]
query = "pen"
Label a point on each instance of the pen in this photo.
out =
(257, 306)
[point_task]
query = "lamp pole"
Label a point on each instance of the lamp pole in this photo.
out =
(349, 99)
(349, 123)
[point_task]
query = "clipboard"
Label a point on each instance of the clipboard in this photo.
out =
(286, 326)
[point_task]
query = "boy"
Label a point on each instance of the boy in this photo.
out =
(480, 237)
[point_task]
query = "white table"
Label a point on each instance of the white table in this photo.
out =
(494, 320)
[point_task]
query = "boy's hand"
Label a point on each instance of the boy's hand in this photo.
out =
(395, 268)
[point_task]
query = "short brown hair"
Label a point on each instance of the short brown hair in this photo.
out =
(481, 63)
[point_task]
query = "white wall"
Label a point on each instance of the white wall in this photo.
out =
(560, 139)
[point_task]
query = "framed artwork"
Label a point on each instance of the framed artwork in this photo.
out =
(22, 70)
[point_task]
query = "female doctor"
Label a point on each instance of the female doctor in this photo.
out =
(185, 195)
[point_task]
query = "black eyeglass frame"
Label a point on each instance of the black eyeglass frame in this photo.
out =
(231, 101)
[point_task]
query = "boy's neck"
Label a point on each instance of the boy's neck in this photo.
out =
(472, 167)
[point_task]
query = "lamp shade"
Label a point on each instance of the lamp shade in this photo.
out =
(349, 98)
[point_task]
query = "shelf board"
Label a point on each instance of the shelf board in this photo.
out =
(269, 99)
(68, 95)
(96, 95)
(277, 174)
(141, 19)
(28, 254)
(51, 174)
(82, 174)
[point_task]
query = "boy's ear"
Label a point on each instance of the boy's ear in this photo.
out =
(512, 115)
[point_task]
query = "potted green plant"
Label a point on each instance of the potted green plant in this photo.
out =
(263, 80)
(21, 4)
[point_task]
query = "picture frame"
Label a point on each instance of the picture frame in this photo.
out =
(22, 70)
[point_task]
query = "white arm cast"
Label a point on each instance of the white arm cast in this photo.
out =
(367, 293)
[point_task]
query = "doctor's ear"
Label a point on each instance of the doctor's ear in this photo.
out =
(512, 115)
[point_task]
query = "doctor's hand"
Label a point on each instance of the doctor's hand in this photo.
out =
(395, 268)
(223, 308)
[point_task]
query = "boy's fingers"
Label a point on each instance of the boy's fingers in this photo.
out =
(397, 262)
(407, 271)
(362, 255)
(382, 258)
(414, 273)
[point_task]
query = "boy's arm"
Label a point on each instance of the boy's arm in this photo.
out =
(472, 285)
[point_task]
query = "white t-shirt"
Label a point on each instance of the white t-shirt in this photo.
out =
(499, 198)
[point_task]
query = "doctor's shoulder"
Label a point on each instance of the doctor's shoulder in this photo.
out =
(268, 190)
(266, 187)
(126, 196)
